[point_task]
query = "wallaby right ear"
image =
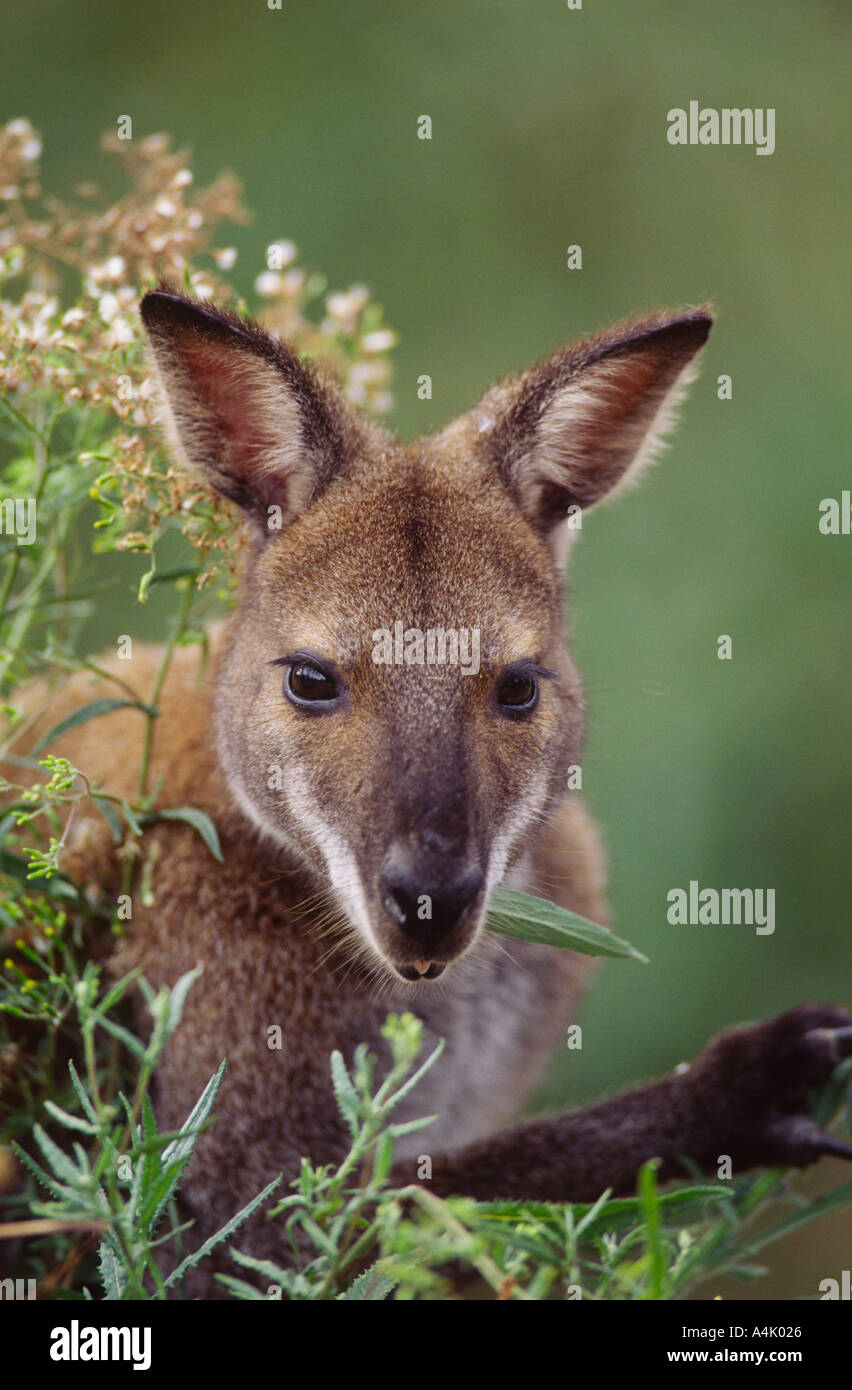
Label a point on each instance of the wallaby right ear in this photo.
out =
(243, 411)
(587, 419)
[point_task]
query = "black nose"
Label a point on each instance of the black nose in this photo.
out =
(426, 897)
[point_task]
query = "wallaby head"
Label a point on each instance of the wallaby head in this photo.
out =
(395, 703)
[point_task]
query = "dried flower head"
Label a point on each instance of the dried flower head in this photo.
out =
(71, 354)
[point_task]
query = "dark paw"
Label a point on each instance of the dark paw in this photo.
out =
(753, 1085)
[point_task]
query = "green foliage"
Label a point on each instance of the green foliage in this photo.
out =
(351, 1232)
(411, 1244)
(121, 1179)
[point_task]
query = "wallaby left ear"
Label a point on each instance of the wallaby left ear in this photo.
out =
(243, 411)
(576, 425)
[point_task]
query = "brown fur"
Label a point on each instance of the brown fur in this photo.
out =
(412, 767)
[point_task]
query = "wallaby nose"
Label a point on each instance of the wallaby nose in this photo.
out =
(424, 897)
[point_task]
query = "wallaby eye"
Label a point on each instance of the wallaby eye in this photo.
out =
(306, 684)
(517, 692)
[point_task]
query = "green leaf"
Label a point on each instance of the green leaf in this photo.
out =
(537, 920)
(111, 817)
(348, 1100)
(113, 995)
(834, 1200)
(538, 1240)
(177, 999)
(169, 576)
(618, 1213)
(61, 1164)
(131, 818)
(131, 1042)
(833, 1094)
(748, 1273)
(146, 1157)
(57, 1189)
(592, 1214)
(374, 1284)
(184, 1145)
(649, 1198)
(199, 820)
(222, 1234)
(413, 1080)
(178, 1153)
(411, 1126)
(317, 1235)
(383, 1161)
(83, 715)
(267, 1269)
(113, 1275)
(241, 1289)
(85, 1103)
(70, 1121)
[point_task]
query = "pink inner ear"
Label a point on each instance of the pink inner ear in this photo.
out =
(252, 425)
(629, 387)
(602, 427)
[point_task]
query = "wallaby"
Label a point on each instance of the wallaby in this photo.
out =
(368, 807)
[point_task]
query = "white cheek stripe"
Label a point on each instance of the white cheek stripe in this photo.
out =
(340, 862)
(517, 823)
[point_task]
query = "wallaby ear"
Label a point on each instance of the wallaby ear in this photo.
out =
(242, 410)
(573, 427)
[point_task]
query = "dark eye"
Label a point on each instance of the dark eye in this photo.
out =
(517, 692)
(306, 684)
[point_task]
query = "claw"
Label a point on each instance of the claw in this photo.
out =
(843, 1041)
(827, 1144)
(801, 1140)
(839, 1040)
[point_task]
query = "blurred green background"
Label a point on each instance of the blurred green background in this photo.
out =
(549, 128)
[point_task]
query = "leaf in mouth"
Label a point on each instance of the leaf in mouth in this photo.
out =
(538, 920)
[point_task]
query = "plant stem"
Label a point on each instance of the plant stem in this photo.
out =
(25, 616)
(178, 628)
